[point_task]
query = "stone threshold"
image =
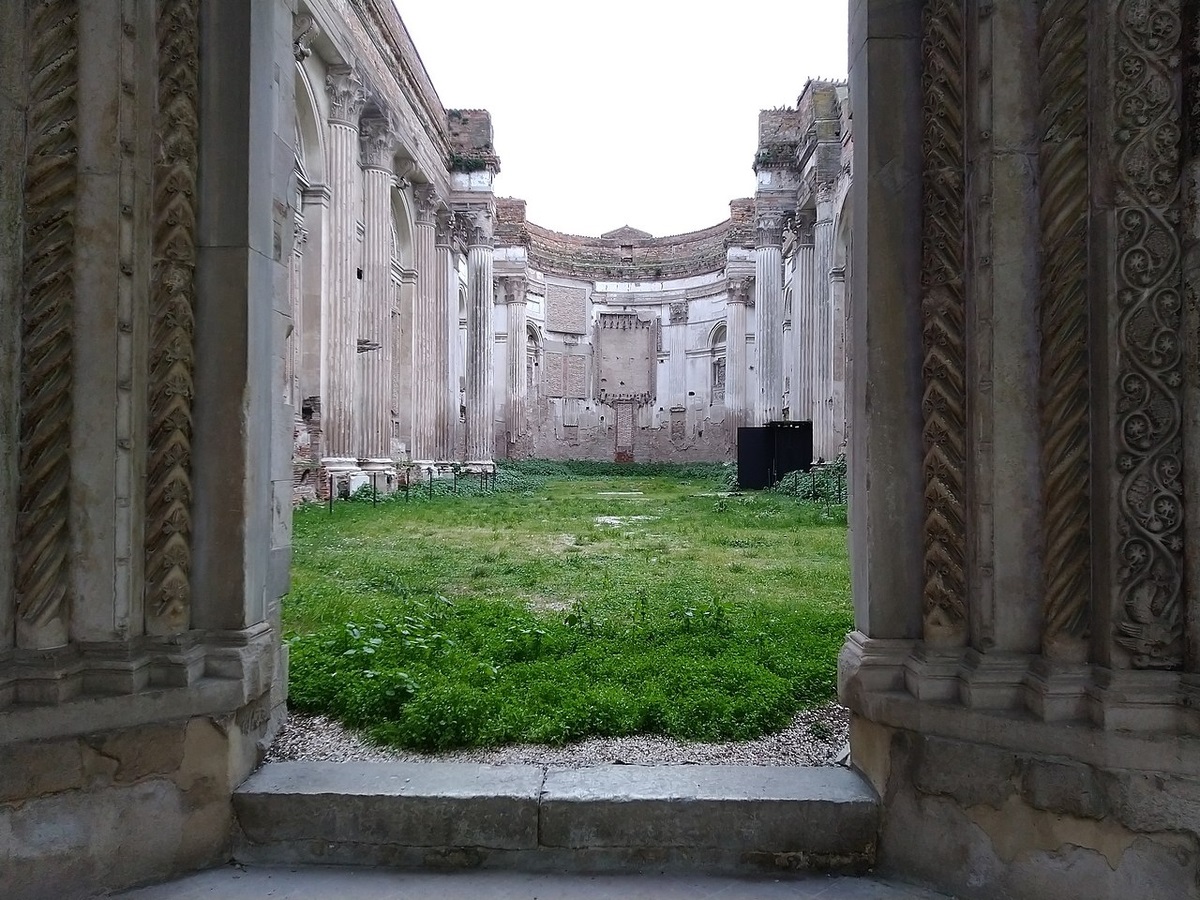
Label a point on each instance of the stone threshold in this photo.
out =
(611, 818)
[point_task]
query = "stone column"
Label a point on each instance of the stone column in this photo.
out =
(514, 408)
(447, 324)
(768, 300)
(340, 347)
(378, 149)
(736, 362)
(480, 338)
(427, 325)
(838, 360)
(825, 443)
(804, 321)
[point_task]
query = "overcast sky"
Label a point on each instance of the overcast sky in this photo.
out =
(619, 112)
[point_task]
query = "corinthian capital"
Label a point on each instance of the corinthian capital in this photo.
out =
(378, 144)
(739, 290)
(479, 228)
(768, 229)
(514, 289)
(427, 202)
(347, 96)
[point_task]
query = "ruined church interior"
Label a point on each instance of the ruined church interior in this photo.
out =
(247, 255)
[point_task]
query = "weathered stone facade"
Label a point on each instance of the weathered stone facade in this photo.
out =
(1024, 342)
(748, 309)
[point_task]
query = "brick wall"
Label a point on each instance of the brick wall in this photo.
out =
(624, 257)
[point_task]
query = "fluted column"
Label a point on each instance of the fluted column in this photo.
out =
(340, 346)
(427, 325)
(736, 363)
(514, 410)
(447, 316)
(768, 298)
(378, 150)
(824, 441)
(839, 363)
(803, 303)
(480, 338)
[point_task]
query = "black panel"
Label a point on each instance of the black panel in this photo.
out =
(755, 452)
(793, 444)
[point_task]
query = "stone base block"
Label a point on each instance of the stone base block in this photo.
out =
(984, 823)
(84, 815)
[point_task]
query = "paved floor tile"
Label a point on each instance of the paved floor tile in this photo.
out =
(236, 883)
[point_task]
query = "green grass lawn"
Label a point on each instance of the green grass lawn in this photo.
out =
(553, 611)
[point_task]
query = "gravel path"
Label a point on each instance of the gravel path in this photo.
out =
(815, 738)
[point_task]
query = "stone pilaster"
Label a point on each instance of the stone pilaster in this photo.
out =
(736, 362)
(768, 301)
(446, 299)
(375, 309)
(480, 340)
(427, 326)
(803, 322)
(346, 99)
(514, 405)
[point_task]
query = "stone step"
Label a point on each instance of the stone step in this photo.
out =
(599, 819)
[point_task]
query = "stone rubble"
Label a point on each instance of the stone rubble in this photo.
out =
(815, 737)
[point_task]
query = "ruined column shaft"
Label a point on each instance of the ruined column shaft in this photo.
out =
(735, 358)
(804, 316)
(824, 441)
(447, 315)
(480, 338)
(426, 328)
(340, 346)
(838, 361)
(768, 300)
(515, 401)
(376, 306)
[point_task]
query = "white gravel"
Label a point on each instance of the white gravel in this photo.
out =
(816, 737)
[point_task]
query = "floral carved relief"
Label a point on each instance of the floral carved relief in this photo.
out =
(1147, 44)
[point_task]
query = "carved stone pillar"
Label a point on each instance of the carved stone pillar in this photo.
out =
(736, 361)
(427, 327)
(378, 148)
(825, 441)
(480, 340)
(514, 407)
(446, 291)
(346, 98)
(804, 347)
(768, 301)
(839, 360)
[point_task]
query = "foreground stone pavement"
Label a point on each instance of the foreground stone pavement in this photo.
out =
(234, 882)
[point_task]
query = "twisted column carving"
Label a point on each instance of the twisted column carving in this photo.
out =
(51, 183)
(1146, 52)
(1065, 419)
(943, 313)
(172, 297)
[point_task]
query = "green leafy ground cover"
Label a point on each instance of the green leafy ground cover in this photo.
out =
(550, 610)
